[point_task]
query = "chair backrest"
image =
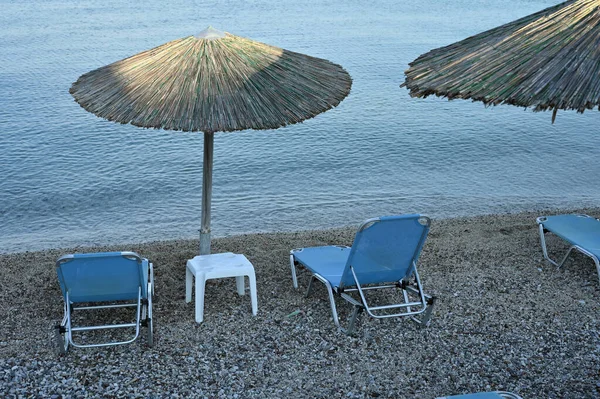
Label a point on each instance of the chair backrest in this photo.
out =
(385, 248)
(102, 276)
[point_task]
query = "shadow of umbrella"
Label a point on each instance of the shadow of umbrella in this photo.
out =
(212, 82)
(549, 60)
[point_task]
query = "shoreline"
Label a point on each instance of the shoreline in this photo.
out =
(110, 244)
(504, 320)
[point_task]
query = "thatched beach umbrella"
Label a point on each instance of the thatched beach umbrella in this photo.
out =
(212, 82)
(547, 60)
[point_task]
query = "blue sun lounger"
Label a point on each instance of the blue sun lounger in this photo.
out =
(104, 280)
(485, 395)
(383, 256)
(581, 231)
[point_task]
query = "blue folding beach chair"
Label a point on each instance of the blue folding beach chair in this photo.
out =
(485, 395)
(581, 231)
(383, 256)
(105, 280)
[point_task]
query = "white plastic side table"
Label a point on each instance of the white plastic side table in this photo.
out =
(204, 267)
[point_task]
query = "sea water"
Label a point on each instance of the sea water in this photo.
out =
(69, 178)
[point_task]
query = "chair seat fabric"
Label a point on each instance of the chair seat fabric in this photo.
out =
(577, 229)
(328, 261)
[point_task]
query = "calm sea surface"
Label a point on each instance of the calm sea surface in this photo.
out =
(69, 178)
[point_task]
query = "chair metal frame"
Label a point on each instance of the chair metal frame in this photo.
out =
(502, 394)
(424, 303)
(508, 395)
(143, 311)
(542, 229)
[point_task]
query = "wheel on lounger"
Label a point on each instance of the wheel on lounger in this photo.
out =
(61, 341)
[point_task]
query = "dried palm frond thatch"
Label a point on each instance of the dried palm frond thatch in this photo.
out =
(213, 82)
(547, 60)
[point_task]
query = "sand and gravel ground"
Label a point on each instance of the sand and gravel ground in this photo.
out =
(504, 320)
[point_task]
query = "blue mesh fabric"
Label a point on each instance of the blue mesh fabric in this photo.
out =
(328, 261)
(576, 229)
(383, 250)
(105, 276)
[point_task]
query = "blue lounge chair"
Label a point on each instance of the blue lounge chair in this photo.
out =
(581, 231)
(484, 395)
(105, 280)
(383, 256)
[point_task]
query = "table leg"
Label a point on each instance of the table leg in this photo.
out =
(200, 283)
(239, 282)
(188, 285)
(253, 297)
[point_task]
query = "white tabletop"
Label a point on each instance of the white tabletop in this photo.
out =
(223, 261)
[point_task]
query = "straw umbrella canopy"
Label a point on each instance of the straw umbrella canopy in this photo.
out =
(212, 82)
(549, 60)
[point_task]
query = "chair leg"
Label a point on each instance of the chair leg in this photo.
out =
(564, 259)
(61, 333)
(544, 248)
(597, 266)
(406, 299)
(69, 329)
(150, 336)
(68, 326)
(310, 284)
(334, 314)
(425, 318)
(570, 250)
(293, 266)
(336, 320)
(152, 276)
(355, 312)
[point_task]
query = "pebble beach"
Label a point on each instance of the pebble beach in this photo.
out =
(504, 319)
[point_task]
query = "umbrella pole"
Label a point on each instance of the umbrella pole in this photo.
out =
(206, 193)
